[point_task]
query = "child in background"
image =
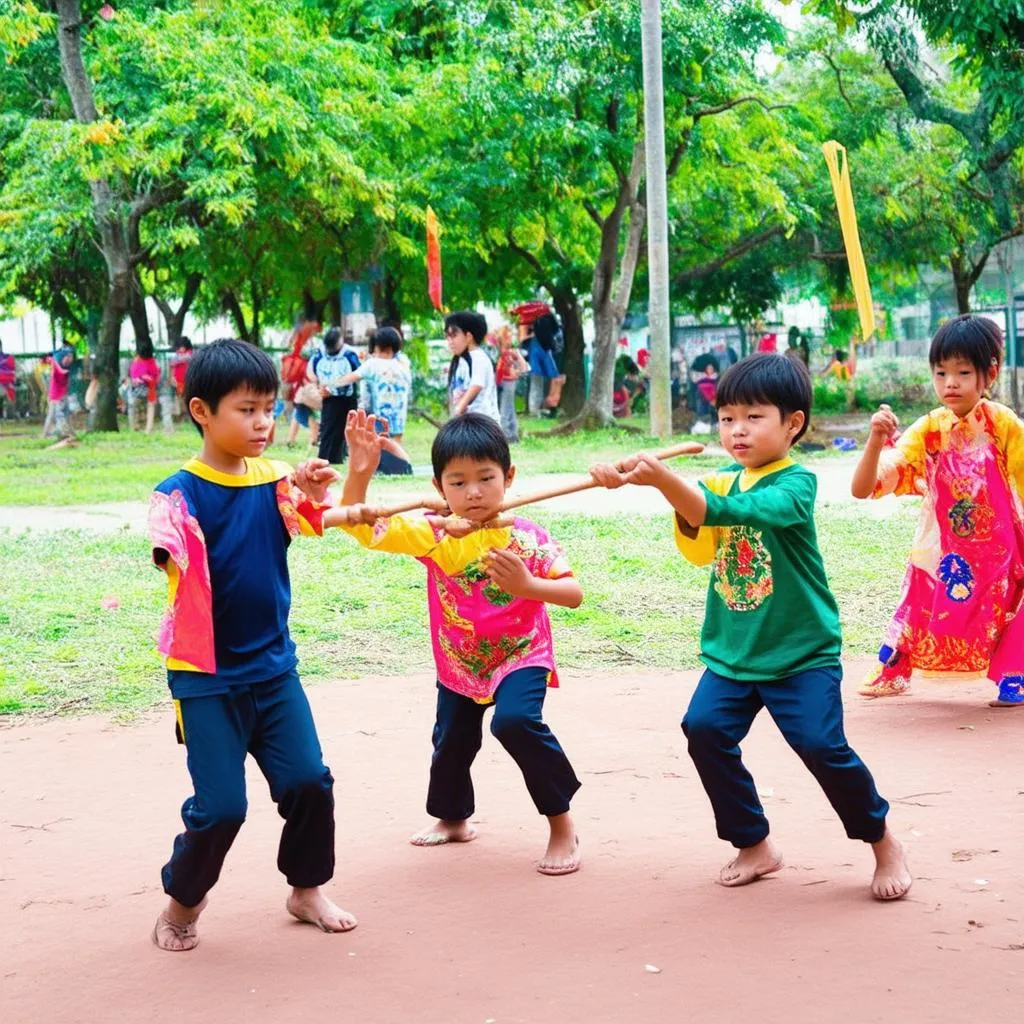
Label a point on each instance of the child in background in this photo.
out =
(327, 368)
(471, 386)
(179, 360)
(511, 366)
(487, 592)
(220, 528)
(144, 377)
(771, 631)
(962, 605)
(387, 380)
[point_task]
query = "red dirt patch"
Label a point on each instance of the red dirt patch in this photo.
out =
(472, 933)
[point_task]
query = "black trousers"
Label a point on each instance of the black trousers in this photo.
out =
(272, 721)
(518, 726)
(332, 427)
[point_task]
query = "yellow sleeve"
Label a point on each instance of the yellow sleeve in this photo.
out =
(1009, 436)
(901, 469)
(397, 536)
(700, 546)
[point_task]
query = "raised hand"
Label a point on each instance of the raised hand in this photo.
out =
(314, 476)
(364, 443)
(884, 424)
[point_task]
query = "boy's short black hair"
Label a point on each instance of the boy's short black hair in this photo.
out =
(471, 436)
(768, 378)
(224, 366)
(332, 340)
(386, 337)
(185, 343)
(974, 338)
(468, 321)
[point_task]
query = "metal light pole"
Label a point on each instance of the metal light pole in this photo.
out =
(657, 221)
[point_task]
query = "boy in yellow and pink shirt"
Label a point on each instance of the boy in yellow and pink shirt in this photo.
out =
(488, 586)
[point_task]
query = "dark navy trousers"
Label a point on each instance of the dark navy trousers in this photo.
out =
(273, 722)
(518, 726)
(808, 709)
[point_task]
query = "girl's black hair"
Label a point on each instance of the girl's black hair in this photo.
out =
(768, 378)
(974, 338)
(225, 366)
(474, 324)
(471, 436)
(387, 337)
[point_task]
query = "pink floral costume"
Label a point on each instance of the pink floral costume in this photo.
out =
(959, 611)
(480, 633)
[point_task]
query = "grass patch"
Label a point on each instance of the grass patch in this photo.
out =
(125, 466)
(356, 613)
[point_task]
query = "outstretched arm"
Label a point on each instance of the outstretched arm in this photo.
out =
(883, 425)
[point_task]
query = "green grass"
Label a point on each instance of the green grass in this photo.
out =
(125, 466)
(357, 613)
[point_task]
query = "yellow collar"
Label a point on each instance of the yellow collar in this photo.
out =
(257, 471)
(749, 477)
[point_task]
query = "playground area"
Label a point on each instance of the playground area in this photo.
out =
(472, 933)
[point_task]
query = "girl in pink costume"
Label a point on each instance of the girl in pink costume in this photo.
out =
(962, 605)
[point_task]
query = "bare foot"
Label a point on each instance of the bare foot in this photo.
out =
(750, 864)
(442, 832)
(311, 906)
(892, 878)
(175, 929)
(563, 856)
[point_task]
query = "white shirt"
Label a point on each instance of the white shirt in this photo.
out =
(480, 373)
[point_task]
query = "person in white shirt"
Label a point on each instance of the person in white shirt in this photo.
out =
(471, 385)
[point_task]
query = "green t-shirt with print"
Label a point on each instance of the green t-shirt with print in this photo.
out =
(770, 613)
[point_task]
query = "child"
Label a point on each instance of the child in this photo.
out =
(179, 361)
(471, 386)
(144, 374)
(388, 379)
(327, 368)
(492, 638)
(220, 529)
(961, 606)
(511, 366)
(771, 632)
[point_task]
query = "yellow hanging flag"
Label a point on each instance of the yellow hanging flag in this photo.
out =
(840, 175)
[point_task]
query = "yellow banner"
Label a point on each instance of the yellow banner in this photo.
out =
(839, 170)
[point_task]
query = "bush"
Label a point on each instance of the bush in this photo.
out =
(900, 383)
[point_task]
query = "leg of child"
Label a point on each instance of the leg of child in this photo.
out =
(549, 777)
(808, 709)
(458, 731)
(216, 733)
(1007, 667)
(720, 714)
(287, 749)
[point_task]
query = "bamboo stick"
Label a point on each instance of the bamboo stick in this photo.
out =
(436, 504)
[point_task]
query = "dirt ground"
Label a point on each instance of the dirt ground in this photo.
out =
(473, 934)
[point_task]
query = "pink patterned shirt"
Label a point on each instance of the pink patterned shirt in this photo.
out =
(480, 633)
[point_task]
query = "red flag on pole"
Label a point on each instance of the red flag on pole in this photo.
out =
(433, 261)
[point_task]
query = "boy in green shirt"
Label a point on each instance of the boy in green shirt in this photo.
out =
(771, 632)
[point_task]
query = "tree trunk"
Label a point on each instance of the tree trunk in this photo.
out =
(231, 306)
(256, 297)
(108, 350)
(312, 307)
(385, 301)
(174, 319)
(334, 305)
(574, 393)
(610, 298)
(140, 321)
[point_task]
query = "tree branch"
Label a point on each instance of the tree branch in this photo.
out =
(593, 214)
(531, 260)
(839, 79)
(740, 248)
(926, 106)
